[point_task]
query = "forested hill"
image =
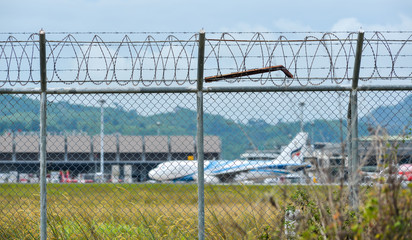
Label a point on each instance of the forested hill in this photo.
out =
(22, 114)
(393, 118)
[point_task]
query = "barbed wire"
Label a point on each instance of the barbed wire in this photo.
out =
(161, 58)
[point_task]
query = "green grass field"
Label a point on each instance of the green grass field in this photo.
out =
(147, 211)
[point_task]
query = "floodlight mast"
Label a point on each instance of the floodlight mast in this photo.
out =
(102, 102)
(249, 72)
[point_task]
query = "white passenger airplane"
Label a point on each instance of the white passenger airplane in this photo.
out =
(216, 171)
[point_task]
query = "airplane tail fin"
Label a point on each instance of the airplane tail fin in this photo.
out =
(293, 153)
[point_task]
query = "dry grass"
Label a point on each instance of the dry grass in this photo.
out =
(138, 211)
(169, 211)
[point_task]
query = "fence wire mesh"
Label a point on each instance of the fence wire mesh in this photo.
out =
(124, 165)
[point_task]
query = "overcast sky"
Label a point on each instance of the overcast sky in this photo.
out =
(212, 15)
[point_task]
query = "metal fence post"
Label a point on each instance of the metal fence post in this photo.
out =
(43, 109)
(200, 150)
(354, 151)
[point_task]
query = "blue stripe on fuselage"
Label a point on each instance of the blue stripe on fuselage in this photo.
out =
(248, 165)
(187, 178)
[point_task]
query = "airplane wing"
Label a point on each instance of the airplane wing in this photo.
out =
(290, 167)
(227, 170)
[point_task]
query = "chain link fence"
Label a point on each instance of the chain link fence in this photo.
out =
(122, 160)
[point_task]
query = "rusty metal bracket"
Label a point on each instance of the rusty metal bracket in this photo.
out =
(249, 72)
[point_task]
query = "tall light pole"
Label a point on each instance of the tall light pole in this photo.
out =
(158, 128)
(302, 105)
(102, 102)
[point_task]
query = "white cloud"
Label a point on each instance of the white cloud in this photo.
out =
(346, 24)
(406, 22)
(353, 24)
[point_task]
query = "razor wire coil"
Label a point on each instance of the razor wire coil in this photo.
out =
(161, 58)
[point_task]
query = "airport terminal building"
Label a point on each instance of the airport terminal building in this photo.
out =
(81, 153)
